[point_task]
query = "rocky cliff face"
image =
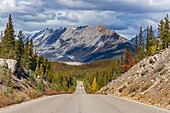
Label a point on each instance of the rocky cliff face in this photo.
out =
(148, 81)
(81, 44)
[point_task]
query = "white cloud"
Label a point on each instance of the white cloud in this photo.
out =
(124, 16)
(75, 3)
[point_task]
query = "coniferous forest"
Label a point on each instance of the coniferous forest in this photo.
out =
(55, 77)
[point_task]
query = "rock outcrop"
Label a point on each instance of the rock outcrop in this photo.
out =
(10, 63)
(148, 81)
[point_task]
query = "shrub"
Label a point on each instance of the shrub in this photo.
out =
(32, 94)
(50, 92)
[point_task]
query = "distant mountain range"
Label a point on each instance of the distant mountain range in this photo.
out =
(81, 44)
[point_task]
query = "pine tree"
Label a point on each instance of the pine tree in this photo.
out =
(26, 57)
(8, 41)
(166, 32)
(32, 56)
(94, 85)
(31, 46)
(20, 48)
(147, 42)
(161, 34)
(150, 41)
(141, 53)
(141, 43)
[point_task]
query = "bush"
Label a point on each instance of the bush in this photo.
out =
(32, 94)
(50, 92)
(12, 99)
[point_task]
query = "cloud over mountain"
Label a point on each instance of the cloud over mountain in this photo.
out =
(124, 16)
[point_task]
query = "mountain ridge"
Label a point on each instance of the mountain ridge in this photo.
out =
(81, 44)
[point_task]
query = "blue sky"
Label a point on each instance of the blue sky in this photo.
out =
(123, 16)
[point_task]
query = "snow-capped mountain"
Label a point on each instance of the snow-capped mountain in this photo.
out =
(81, 44)
(144, 35)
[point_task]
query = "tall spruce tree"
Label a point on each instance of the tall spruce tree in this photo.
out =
(26, 57)
(8, 41)
(166, 32)
(141, 43)
(141, 53)
(150, 42)
(147, 42)
(161, 34)
(20, 48)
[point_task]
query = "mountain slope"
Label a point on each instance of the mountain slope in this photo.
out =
(83, 44)
(148, 81)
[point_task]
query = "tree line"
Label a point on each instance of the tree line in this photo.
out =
(153, 44)
(13, 47)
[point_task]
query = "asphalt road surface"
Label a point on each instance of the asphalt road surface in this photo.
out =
(80, 102)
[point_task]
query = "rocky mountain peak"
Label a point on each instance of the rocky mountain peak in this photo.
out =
(103, 29)
(81, 44)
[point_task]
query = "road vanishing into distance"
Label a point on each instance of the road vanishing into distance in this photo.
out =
(80, 102)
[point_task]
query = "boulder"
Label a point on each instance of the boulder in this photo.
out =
(10, 63)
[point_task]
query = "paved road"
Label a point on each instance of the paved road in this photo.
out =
(80, 102)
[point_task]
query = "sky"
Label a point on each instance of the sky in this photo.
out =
(123, 16)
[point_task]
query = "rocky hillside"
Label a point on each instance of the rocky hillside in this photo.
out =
(18, 84)
(148, 81)
(81, 44)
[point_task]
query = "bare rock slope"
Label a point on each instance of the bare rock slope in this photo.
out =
(148, 81)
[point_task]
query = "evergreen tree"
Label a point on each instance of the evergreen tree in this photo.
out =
(161, 34)
(147, 42)
(141, 43)
(31, 46)
(20, 48)
(8, 41)
(26, 59)
(166, 32)
(150, 41)
(141, 53)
